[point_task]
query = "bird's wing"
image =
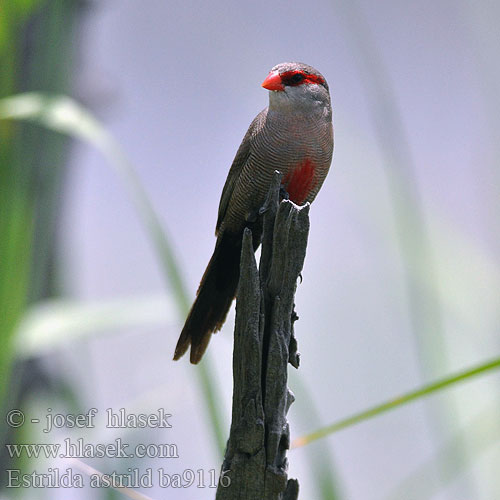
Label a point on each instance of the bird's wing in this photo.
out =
(241, 158)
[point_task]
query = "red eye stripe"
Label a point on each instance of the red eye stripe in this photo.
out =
(315, 79)
(291, 79)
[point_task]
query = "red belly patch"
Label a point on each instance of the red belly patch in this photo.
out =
(300, 181)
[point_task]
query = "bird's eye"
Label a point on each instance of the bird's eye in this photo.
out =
(293, 78)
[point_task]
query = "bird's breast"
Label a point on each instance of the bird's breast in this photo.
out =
(300, 181)
(300, 148)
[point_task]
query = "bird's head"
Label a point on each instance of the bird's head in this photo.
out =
(296, 84)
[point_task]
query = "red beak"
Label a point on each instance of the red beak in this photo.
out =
(273, 81)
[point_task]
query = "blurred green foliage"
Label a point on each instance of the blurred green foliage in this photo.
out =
(62, 114)
(36, 52)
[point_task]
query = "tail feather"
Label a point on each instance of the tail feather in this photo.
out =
(214, 297)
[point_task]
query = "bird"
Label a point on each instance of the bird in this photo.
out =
(294, 135)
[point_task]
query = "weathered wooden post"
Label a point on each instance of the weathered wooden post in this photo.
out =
(255, 464)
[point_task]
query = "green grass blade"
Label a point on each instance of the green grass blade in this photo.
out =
(212, 401)
(404, 399)
(64, 115)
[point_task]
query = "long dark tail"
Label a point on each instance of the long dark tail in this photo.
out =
(214, 297)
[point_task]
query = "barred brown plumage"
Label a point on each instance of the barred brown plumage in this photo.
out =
(294, 135)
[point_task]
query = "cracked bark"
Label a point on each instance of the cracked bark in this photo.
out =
(255, 464)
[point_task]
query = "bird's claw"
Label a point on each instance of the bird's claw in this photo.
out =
(284, 193)
(263, 209)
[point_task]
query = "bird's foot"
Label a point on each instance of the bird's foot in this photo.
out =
(284, 193)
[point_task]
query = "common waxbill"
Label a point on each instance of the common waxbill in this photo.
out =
(294, 135)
